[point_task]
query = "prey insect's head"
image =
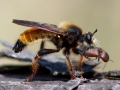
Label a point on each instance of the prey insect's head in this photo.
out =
(19, 46)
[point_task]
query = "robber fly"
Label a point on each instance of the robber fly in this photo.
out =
(66, 36)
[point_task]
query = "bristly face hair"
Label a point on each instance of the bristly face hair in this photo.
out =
(67, 36)
(88, 41)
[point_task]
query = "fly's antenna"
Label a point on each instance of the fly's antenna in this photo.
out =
(95, 41)
(94, 32)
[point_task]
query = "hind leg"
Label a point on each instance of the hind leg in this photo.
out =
(36, 59)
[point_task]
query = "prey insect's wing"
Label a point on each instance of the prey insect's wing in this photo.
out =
(39, 25)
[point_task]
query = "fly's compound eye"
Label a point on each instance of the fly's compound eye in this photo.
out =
(88, 38)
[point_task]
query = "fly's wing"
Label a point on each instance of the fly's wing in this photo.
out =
(39, 25)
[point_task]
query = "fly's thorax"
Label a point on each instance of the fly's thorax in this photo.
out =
(68, 27)
(71, 31)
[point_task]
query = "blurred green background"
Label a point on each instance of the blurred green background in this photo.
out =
(88, 14)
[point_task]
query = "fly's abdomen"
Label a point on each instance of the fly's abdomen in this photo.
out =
(34, 34)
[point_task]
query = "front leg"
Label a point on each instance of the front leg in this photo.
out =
(38, 56)
(88, 58)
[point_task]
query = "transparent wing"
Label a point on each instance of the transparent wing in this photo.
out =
(39, 25)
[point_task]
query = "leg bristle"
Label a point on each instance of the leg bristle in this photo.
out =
(35, 66)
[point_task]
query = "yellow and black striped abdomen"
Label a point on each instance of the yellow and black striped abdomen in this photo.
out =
(33, 34)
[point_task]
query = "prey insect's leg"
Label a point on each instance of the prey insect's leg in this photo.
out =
(80, 61)
(69, 65)
(88, 58)
(98, 58)
(38, 56)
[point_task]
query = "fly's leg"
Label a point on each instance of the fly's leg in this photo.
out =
(36, 59)
(42, 44)
(69, 64)
(80, 61)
